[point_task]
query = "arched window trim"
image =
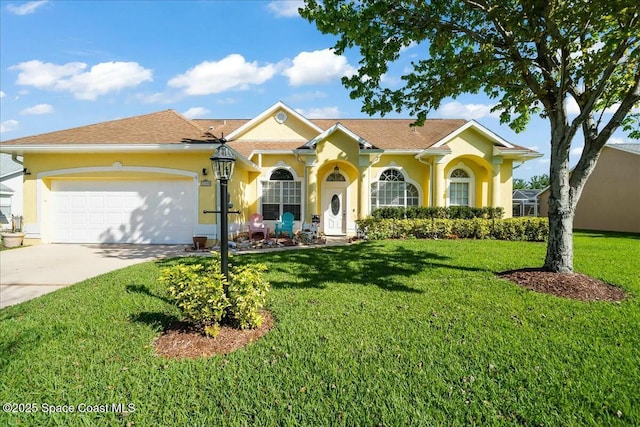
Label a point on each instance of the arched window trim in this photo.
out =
(470, 180)
(405, 179)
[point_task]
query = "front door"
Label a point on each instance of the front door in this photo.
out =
(335, 211)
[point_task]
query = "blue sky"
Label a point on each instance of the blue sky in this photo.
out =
(72, 63)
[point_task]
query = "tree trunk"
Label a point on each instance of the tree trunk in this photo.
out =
(559, 257)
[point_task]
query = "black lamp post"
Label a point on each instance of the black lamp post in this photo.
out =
(222, 162)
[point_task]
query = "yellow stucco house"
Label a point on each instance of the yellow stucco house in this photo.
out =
(148, 179)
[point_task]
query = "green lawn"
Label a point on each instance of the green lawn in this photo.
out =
(391, 333)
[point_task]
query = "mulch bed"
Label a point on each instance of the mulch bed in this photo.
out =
(183, 340)
(565, 285)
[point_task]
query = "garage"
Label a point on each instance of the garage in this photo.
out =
(122, 211)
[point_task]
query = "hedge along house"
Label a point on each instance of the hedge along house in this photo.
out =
(147, 179)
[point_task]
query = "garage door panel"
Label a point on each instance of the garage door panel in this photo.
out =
(123, 211)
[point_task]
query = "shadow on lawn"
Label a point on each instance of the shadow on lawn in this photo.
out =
(363, 263)
(157, 320)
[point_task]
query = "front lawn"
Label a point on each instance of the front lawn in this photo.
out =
(415, 332)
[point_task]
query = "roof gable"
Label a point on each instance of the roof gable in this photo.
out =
(338, 127)
(472, 124)
(278, 123)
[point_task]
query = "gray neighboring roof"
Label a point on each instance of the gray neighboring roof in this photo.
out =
(526, 194)
(5, 189)
(8, 166)
(631, 148)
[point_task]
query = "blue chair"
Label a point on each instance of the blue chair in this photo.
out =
(286, 225)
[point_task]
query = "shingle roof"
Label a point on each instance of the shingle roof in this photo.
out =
(163, 127)
(630, 147)
(170, 127)
(397, 134)
(388, 134)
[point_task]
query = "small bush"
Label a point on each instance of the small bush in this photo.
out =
(199, 293)
(207, 300)
(247, 294)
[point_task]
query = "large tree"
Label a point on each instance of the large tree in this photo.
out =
(533, 57)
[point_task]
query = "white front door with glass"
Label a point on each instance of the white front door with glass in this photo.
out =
(335, 212)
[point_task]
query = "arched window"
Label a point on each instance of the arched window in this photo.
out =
(460, 189)
(392, 190)
(336, 177)
(281, 194)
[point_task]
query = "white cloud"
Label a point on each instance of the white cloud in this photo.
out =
(577, 151)
(285, 9)
(2, 94)
(573, 109)
(458, 110)
(38, 109)
(196, 112)
(27, 8)
(231, 72)
(8, 126)
(409, 46)
(45, 75)
(317, 67)
(71, 77)
(320, 113)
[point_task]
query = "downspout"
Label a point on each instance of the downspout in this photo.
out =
(14, 157)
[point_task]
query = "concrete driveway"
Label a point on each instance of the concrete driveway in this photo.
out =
(32, 271)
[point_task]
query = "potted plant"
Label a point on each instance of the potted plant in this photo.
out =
(15, 237)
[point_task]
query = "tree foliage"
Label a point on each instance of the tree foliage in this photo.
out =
(530, 55)
(536, 182)
(534, 57)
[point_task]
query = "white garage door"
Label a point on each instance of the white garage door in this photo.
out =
(122, 211)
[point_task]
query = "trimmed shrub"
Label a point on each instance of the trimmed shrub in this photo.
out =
(452, 212)
(524, 228)
(206, 299)
(247, 294)
(199, 293)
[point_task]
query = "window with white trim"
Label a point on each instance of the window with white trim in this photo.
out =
(391, 189)
(459, 188)
(281, 194)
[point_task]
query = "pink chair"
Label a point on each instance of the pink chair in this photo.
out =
(256, 225)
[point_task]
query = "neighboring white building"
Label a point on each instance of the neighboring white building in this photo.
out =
(10, 189)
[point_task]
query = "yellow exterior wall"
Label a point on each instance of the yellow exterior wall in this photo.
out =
(270, 129)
